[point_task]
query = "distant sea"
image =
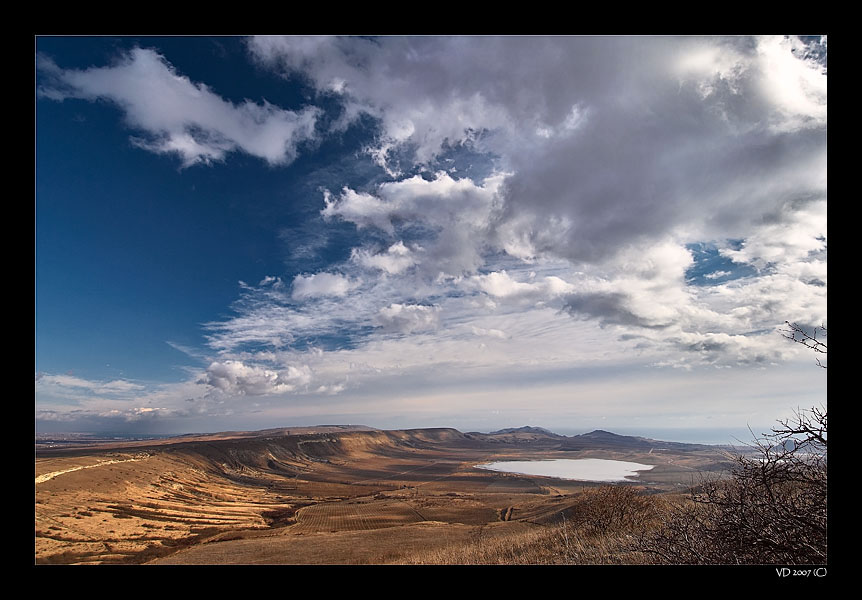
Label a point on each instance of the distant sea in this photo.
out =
(100, 437)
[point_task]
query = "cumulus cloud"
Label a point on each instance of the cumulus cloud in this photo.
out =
(610, 155)
(179, 116)
(381, 77)
(794, 81)
(643, 286)
(236, 378)
(364, 210)
(403, 318)
(616, 153)
(637, 137)
(500, 284)
(396, 259)
(625, 180)
(430, 89)
(441, 200)
(452, 216)
(791, 235)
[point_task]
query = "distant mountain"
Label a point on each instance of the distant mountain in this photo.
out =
(601, 433)
(605, 439)
(526, 429)
(536, 438)
(539, 437)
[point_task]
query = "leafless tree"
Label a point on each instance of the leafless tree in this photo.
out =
(771, 510)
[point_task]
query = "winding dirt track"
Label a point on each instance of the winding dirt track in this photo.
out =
(49, 476)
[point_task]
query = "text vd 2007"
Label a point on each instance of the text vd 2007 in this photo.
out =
(786, 572)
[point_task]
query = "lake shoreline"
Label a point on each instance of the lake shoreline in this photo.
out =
(584, 469)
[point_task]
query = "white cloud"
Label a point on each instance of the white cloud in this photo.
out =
(772, 74)
(403, 318)
(794, 84)
(321, 284)
(430, 89)
(396, 259)
(501, 285)
(496, 333)
(182, 117)
(717, 274)
(458, 211)
(611, 154)
(792, 235)
(644, 135)
(381, 77)
(271, 280)
(261, 321)
(364, 210)
(117, 386)
(442, 201)
(236, 378)
(67, 398)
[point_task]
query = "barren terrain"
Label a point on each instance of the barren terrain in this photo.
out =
(324, 495)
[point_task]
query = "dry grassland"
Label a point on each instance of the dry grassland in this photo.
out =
(322, 498)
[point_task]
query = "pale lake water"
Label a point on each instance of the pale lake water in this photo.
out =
(583, 469)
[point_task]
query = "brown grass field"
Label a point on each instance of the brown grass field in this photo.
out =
(336, 495)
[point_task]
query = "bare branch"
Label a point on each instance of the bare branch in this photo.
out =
(771, 510)
(813, 340)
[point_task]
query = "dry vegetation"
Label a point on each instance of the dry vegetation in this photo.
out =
(416, 497)
(773, 510)
(316, 497)
(599, 526)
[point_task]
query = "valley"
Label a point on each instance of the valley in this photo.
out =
(320, 495)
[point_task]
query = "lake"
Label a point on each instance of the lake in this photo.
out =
(583, 469)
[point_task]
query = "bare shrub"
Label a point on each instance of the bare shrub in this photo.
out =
(612, 508)
(597, 528)
(535, 547)
(603, 524)
(772, 510)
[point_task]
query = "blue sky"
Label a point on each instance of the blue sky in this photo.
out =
(568, 232)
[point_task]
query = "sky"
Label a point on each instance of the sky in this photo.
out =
(570, 232)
